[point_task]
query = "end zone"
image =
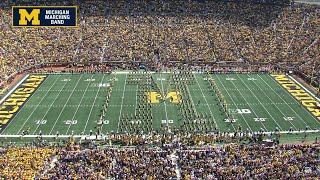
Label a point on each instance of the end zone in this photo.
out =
(17, 97)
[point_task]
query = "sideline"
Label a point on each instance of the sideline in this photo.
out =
(304, 88)
(101, 137)
(13, 89)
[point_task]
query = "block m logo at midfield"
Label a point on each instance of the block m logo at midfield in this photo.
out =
(155, 97)
(33, 17)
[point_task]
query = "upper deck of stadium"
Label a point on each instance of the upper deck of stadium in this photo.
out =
(275, 32)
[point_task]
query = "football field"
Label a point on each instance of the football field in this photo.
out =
(140, 102)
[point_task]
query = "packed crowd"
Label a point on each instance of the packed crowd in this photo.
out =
(227, 162)
(146, 158)
(310, 71)
(180, 139)
(23, 163)
(247, 162)
(165, 31)
(112, 163)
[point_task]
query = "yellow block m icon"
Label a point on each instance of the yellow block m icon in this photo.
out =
(154, 97)
(25, 17)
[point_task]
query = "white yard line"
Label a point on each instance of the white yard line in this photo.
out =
(136, 98)
(192, 100)
(135, 107)
(260, 102)
(94, 101)
(48, 110)
(75, 113)
(39, 104)
(165, 104)
(13, 89)
(282, 99)
(273, 102)
(107, 110)
(204, 97)
(247, 103)
(297, 101)
(217, 96)
(65, 104)
(122, 98)
(234, 103)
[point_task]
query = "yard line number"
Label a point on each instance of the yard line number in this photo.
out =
(90, 80)
(240, 111)
(66, 80)
(230, 120)
(260, 119)
(231, 79)
(165, 121)
(41, 122)
(71, 122)
(288, 118)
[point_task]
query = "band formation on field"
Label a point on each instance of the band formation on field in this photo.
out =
(142, 102)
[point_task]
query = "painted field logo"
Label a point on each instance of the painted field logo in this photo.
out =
(308, 101)
(155, 97)
(44, 16)
(13, 103)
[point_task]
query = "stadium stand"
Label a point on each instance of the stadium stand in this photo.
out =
(23, 162)
(162, 33)
(230, 161)
(116, 31)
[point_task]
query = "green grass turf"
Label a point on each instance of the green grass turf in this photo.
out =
(63, 97)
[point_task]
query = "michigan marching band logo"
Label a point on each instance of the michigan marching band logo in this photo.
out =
(44, 16)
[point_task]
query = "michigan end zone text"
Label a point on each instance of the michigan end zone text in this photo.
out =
(300, 94)
(16, 100)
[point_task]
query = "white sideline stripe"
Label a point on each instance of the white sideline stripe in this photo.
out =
(119, 72)
(104, 136)
(304, 88)
(151, 72)
(128, 72)
(13, 89)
